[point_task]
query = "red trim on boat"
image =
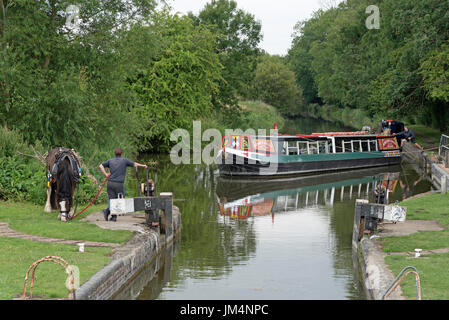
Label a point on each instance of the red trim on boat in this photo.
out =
(339, 133)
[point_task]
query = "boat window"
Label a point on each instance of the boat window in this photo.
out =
(282, 147)
(292, 148)
(313, 147)
(347, 146)
(365, 146)
(359, 146)
(324, 147)
(302, 146)
(339, 146)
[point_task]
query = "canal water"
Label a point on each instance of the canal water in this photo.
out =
(284, 239)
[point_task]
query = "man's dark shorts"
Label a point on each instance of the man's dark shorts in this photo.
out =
(114, 188)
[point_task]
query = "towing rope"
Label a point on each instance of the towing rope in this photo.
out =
(92, 200)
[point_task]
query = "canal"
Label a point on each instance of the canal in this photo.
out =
(285, 239)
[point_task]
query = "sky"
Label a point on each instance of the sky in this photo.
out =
(278, 17)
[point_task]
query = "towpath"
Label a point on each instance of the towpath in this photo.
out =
(6, 231)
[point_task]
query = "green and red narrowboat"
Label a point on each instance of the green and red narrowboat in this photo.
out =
(284, 155)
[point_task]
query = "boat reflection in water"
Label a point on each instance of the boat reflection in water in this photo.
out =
(241, 199)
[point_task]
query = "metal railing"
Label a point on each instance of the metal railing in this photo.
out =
(400, 278)
(444, 145)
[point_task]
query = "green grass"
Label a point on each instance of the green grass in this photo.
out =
(432, 270)
(430, 207)
(261, 115)
(425, 136)
(16, 255)
(424, 240)
(250, 115)
(31, 219)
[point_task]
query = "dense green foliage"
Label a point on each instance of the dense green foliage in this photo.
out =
(239, 35)
(177, 86)
(62, 86)
(398, 70)
(275, 84)
(118, 73)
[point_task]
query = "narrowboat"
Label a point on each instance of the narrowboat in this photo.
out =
(285, 155)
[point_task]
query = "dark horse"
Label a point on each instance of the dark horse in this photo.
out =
(63, 172)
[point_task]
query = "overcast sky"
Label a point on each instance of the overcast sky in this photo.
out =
(278, 17)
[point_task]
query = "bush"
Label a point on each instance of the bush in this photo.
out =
(21, 180)
(86, 191)
(10, 142)
(16, 179)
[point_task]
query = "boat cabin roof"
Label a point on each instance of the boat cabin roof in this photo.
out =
(317, 136)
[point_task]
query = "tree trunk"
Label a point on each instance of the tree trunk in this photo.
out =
(53, 19)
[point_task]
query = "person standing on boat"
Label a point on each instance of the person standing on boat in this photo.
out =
(116, 182)
(409, 136)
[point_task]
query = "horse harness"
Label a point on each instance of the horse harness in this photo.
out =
(60, 156)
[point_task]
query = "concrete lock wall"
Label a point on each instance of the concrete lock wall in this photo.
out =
(127, 261)
(422, 164)
(376, 276)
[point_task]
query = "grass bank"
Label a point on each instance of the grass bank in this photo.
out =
(427, 137)
(16, 254)
(432, 271)
(354, 118)
(250, 114)
(432, 268)
(31, 219)
(260, 115)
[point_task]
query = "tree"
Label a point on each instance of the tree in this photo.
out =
(239, 35)
(177, 86)
(435, 71)
(61, 85)
(386, 72)
(275, 84)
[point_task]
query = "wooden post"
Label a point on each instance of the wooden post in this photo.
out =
(443, 184)
(168, 214)
(446, 158)
(358, 227)
(424, 158)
